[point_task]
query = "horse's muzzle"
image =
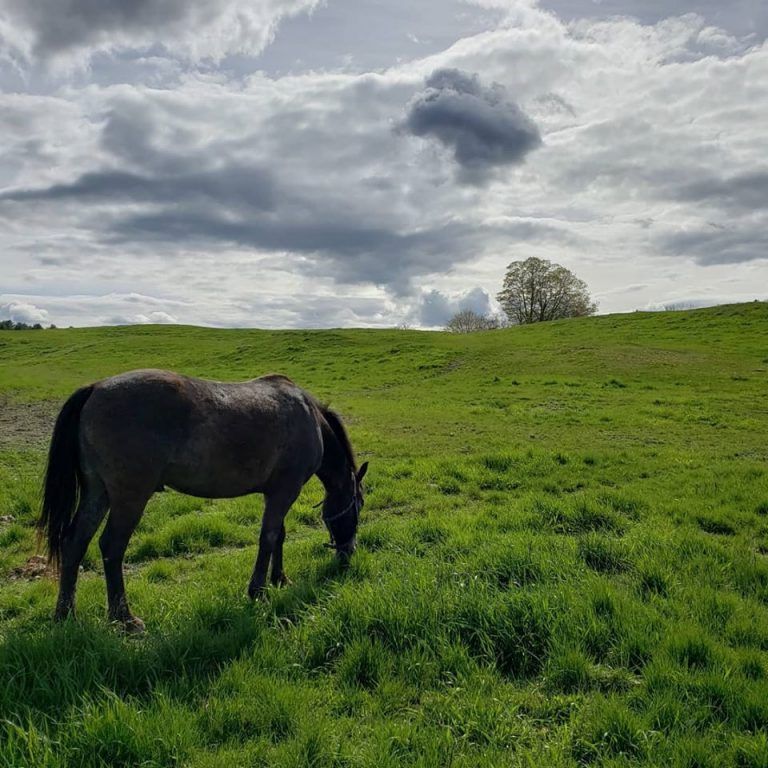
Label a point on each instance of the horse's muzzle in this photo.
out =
(345, 552)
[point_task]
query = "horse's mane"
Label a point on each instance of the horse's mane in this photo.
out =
(337, 427)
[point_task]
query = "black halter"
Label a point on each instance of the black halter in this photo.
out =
(333, 544)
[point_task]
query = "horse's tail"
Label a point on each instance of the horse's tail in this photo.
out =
(63, 477)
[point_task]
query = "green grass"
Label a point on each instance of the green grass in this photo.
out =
(563, 560)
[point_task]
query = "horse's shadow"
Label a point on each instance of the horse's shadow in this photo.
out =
(54, 666)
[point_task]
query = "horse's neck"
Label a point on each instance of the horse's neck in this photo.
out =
(334, 468)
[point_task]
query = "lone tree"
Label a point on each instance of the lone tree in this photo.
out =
(535, 290)
(467, 321)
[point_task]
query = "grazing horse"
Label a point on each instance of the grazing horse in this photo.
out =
(121, 439)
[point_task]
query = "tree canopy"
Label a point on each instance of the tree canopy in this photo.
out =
(536, 290)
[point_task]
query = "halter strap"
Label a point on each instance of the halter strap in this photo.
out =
(333, 544)
(342, 513)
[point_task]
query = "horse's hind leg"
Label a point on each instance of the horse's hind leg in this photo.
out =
(124, 516)
(90, 512)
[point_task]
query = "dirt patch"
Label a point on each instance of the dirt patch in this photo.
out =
(26, 425)
(35, 568)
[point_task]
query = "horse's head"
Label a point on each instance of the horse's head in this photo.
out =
(341, 513)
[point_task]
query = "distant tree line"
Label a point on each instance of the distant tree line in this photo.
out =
(10, 325)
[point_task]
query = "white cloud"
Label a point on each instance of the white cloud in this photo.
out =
(435, 309)
(85, 309)
(23, 312)
(162, 318)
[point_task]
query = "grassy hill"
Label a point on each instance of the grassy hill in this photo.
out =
(563, 561)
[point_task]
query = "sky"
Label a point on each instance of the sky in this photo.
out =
(372, 163)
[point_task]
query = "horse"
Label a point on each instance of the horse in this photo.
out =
(119, 440)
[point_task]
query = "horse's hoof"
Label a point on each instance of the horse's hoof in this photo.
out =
(133, 626)
(257, 593)
(282, 581)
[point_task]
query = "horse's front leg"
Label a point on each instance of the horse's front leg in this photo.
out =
(278, 577)
(271, 540)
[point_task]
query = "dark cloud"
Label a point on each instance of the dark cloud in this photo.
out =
(61, 26)
(738, 231)
(481, 125)
(129, 133)
(241, 206)
(230, 186)
(743, 192)
(334, 243)
(719, 244)
(245, 207)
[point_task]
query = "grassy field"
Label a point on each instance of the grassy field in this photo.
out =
(563, 560)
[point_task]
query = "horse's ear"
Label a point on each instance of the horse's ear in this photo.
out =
(361, 472)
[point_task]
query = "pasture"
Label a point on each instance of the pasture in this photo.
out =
(563, 558)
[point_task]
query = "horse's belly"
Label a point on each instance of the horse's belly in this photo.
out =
(212, 490)
(214, 479)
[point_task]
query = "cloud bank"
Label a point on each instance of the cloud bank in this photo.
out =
(225, 195)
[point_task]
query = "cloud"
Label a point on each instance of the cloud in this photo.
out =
(84, 309)
(720, 244)
(738, 16)
(51, 29)
(228, 186)
(288, 201)
(312, 309)
(735, 225)
(742, 192)
(351, 251)
(483, 128)
(329, 242)
(23, 312)
(435, 308)
(158, 318)
(166, 174)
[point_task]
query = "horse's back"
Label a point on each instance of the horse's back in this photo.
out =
(202, 437)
